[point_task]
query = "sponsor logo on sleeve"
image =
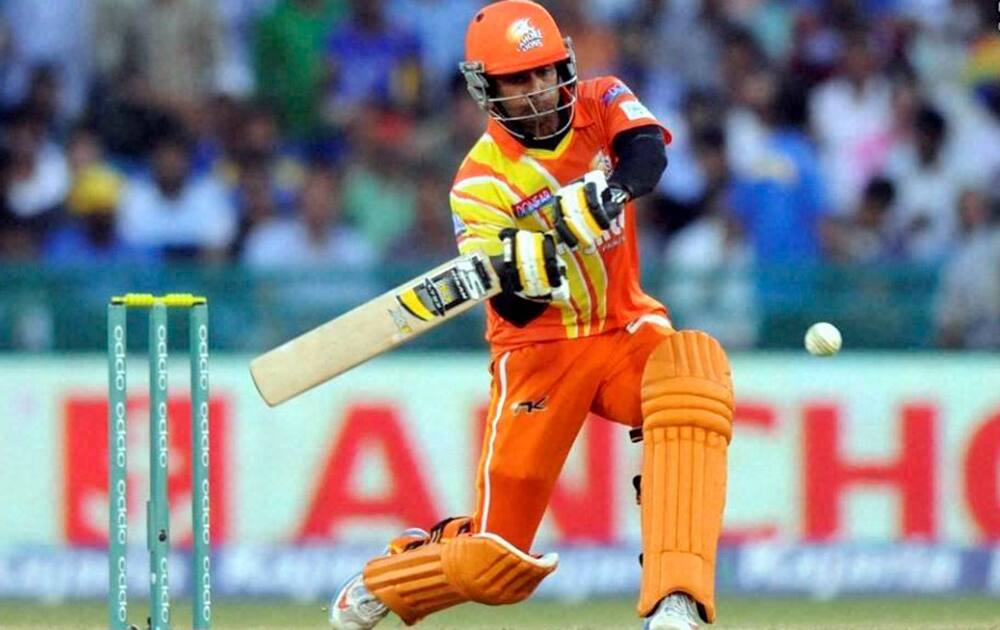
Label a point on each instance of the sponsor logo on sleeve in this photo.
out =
(636, 110)
(460, 226)
(614, 92)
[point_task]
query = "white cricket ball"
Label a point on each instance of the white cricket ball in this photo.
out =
(823, 339)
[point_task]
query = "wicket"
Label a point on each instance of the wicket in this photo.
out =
(157, 507)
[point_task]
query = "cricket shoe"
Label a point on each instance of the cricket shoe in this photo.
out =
(355, 607)
(674, 612)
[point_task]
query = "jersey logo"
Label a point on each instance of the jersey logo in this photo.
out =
(529, 406)
(533, 203)
(460, 226)
(601, 162)
(614, 92)
(524, 35)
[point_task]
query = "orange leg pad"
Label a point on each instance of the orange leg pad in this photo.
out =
(687, 407)
(482, 568)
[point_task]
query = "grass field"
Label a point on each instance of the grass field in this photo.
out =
(874, 614)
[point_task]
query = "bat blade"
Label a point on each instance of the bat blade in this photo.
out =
(373, 328)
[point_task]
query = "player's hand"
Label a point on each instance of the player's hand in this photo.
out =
(531, 266)
(586, 209)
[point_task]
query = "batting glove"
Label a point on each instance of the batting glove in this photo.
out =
(531, 267)
(586, 209)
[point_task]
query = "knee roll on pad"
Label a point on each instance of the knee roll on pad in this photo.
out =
(482, 568)
(687, 407)
(687, 382)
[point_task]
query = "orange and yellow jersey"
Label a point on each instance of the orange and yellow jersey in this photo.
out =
(502, 184)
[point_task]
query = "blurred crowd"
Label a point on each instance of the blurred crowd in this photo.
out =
(311, 133)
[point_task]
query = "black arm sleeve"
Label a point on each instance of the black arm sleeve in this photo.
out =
(642, 159)
(516, 310)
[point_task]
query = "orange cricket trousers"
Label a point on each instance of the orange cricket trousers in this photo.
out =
(541, 395)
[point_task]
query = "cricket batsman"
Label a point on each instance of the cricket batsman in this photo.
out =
(546, 192)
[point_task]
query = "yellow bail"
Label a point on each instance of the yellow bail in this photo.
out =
(145, 300)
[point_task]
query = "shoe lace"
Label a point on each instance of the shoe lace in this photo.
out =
(680, 604)
(371, 607)
(367, 605)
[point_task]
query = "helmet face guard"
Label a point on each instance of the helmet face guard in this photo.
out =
(481, 90)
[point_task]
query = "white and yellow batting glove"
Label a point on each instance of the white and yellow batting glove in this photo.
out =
(531, 266)
(586, 209)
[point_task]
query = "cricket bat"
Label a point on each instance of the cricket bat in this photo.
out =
(375, 327)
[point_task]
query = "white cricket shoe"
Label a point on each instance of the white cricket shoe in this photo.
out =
(674, 612)
(355, 608)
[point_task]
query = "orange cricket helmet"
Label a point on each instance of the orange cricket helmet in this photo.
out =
(513, 36)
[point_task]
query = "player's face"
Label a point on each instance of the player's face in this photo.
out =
(540, 80)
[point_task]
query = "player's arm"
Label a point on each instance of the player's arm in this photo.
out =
(642, 158)
(587, 208)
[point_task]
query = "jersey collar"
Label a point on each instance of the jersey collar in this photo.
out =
(514, 149)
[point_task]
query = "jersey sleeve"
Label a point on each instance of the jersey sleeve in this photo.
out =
(621, 110)
(478, 215)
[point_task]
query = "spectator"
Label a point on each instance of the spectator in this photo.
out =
(851, 115)
(43, 100)
(325, 265)
(708, 262)
(237, 19)
(685, 43)
(37, 175)
(89, 236)
(217, 132)
(447, 138)
(289, 60)
(746, 121)
(930, 184)
(967, 309)
(430, 240)
(256, 199)
(54, 33)
(379, 191)
(84, 150)
(260, 139)
(111, 26)
(174, 212)
(867, 236)
(816, 47)
(781, 200)
(174, 46)
(780, 204)
(15, 242)
(264, 173)
(372, 64)
(316, 238)
(684, 181)
(595, 44)
(439, 56)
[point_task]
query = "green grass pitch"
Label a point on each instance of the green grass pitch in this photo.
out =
(869, 613)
